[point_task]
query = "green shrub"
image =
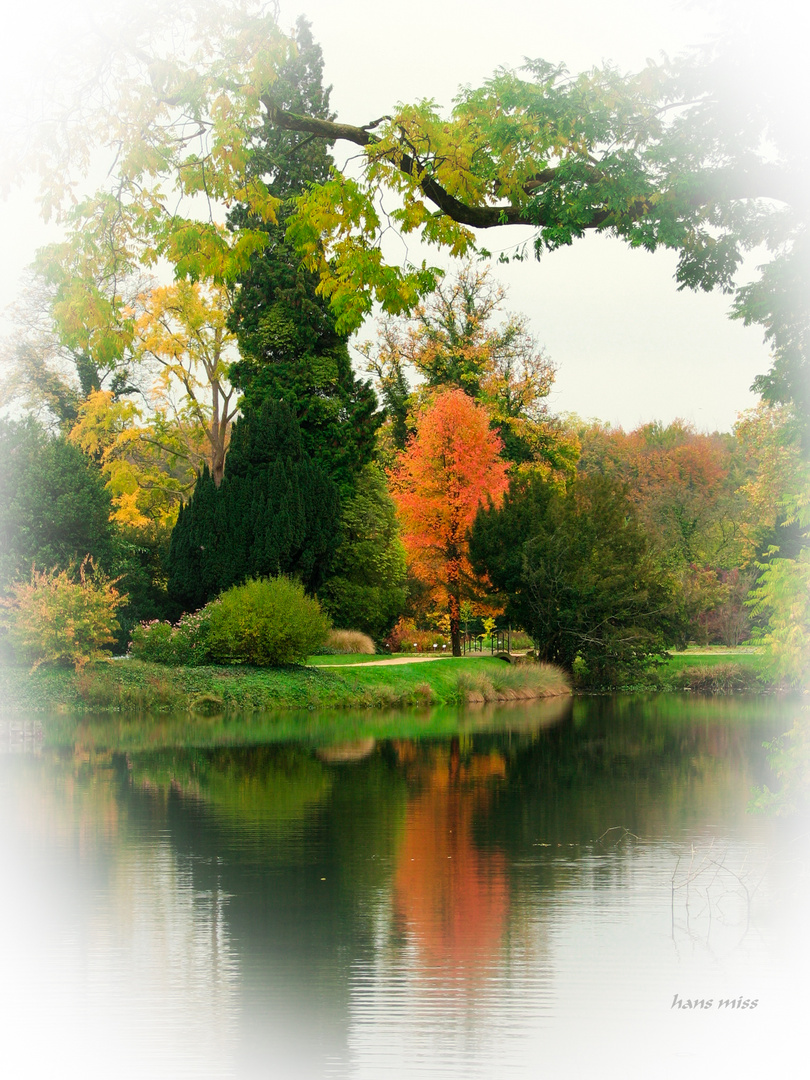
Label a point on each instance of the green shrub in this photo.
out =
(66, 617)
(184, 643)
(265, 622)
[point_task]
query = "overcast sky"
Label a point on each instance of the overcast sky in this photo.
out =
(627, 345)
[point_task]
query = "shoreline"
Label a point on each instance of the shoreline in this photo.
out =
(135, 687)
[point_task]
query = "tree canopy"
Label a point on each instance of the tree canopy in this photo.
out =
(690, 155)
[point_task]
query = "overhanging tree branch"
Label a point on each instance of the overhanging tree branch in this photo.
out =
(764, 181)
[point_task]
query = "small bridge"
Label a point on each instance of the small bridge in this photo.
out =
(501, 644)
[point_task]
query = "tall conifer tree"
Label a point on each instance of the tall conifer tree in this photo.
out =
(290, 349)
(275, 512)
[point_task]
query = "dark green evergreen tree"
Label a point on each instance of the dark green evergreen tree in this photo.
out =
(290, 349)
(367, 586)
(275, 512)
(576, 571)
(54, 507)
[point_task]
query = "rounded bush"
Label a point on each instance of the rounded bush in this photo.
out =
(265, 622)
(184, 643)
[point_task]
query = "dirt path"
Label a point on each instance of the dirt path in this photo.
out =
(391, 660)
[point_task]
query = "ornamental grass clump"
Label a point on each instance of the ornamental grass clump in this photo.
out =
(266, 622)
(65, 617)
(348, 643)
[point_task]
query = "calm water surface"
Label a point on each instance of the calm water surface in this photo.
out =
(513, 893)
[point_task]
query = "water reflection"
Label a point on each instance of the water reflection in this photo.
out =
(431, 894)
(449, 897)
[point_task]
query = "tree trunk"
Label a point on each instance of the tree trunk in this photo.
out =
(455, 619)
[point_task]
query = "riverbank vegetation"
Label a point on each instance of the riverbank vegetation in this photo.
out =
(137, 686)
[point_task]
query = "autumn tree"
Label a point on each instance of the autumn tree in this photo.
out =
(172, 97)
(450, 467)
(683, 484)
(460, 337)
(686, 487)
(182, 334)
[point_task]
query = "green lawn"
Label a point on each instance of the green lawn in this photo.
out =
(713, 670)
(132, 686)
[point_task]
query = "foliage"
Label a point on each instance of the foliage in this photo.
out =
(789, 758)
(53, 507)
(576, 572)
(291, 351)
(366, 584)
(692, 155)
(146, 464)
(62, 616)
(456, 339)
(275, 512)
(181, 332)
(290, 348)
(450, 467)
(684, 485)
(780, 491)
(777, 479)
(405, 638)
(173, 95)
(782, 594)
(689, 489)
(265, 622)
(184, 643)
(348, 643)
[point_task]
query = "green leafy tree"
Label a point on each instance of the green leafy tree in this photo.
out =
(692, 155)
(366, 588)
(275, 512)
(265, 623)
(576, 571)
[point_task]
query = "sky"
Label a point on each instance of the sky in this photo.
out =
(627, 346)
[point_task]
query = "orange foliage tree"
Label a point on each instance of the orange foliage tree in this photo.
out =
(450, 466)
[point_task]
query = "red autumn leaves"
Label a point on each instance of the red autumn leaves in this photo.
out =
(451, 465)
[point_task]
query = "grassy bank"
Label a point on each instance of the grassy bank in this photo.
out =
(132, 686)
(712, 671)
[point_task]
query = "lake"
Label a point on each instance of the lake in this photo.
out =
(526, 891)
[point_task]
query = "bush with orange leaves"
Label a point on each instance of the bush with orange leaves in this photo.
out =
(64, 617)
